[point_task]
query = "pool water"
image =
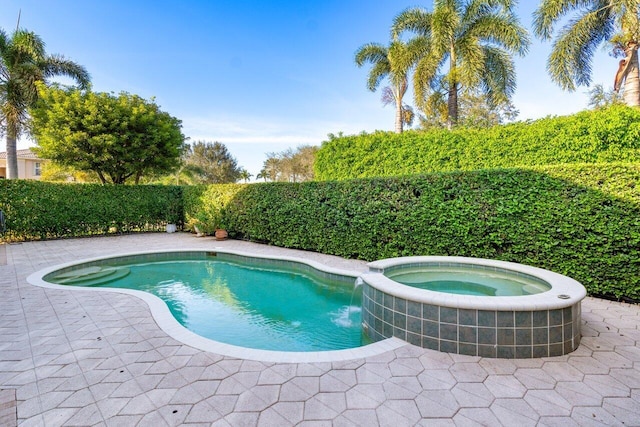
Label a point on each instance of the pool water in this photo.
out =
(241, 304)
(468, 281)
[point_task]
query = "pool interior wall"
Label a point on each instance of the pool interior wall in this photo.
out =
(294, 265)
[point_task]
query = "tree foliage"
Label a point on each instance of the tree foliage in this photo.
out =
(289, 165)
(393, 63)
(601, 98)
(475, 38)
(23, 64)
(594, 22)
(54, 172)
(117, 137)
(211, 163)
(474, 111)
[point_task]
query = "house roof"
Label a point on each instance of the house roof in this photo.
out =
(27, 153)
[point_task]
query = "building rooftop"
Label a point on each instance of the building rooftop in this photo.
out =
(26, 153)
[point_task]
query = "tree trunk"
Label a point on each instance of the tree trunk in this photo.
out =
(452, 99)
(12, 156)
(631, 94)
(452, 105)
(399, 118)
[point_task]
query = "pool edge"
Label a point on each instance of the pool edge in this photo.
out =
(165, 320)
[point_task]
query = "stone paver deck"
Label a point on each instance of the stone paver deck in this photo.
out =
(78, 358)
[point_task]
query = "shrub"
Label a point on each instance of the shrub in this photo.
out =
(580, 220)
(606, 135)
(204, 205)
(43, 210)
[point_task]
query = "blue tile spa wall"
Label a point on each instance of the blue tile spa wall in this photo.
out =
(486, 333)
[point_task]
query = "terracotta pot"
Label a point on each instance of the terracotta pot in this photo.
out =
(221, 234)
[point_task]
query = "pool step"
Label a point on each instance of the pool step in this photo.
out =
(91, 276)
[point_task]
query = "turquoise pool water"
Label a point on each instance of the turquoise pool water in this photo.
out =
(249, 303)
(464, 280)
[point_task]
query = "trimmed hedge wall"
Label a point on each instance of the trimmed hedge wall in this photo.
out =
(42, 210)
(204, 205)
(606, 135)
(580, 220)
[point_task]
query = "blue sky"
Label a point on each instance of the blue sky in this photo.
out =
(258, 76)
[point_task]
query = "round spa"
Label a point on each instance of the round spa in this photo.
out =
(472, 306)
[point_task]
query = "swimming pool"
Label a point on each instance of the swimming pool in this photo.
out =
(253, 303)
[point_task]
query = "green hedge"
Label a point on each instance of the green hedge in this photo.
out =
(580, 220)
(43, 210)
(606, 135)
(204, 205)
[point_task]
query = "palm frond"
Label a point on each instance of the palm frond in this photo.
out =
(378, 72)
(57, 65)
(4, 41)
(377, 55)
(570, 61)
(500, 30)
(424, 76)
(500, 84)
(551, 11)
(372, 53)
(471, 63)
(444, 23)
(416, 20)
(27, 46)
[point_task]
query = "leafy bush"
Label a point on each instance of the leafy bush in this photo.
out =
(204, 205)
(580, 220)
(606, 135)
(42, 210)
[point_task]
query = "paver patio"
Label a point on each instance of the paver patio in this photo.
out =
(77, 358)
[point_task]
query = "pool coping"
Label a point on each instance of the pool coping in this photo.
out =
(561, 286)
(165, 320)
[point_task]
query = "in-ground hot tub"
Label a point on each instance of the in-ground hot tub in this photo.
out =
(472, 306)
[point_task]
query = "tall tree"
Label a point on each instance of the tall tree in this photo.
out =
(23, 63)
(475, 39)
(117, 137)
(214, 163)
(290, 165)
(595, 22)
(393, 62)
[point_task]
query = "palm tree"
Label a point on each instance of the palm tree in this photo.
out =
(389, 97)
(24, 63)
(245, 175)
(596, 22)
(476, 39)
(393, 62)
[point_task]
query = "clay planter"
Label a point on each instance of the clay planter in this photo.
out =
(221, 234)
